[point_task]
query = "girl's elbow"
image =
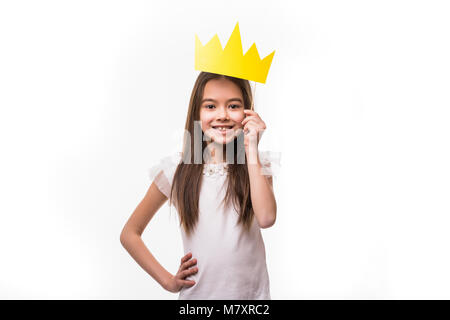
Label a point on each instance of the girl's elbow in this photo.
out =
(267, 223)
(128, 234)
(123, 237)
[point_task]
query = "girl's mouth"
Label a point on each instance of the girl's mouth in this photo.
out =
(223, 129)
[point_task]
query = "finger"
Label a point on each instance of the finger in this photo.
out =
(254, 121)
(250, 114)
(246, 119)
(251, 125)
(189, 263)
(187, 283)
(252, 130)
(247, 127)
(187, 273)
(186, 257)
(258, 124)
(254, 118)
(248, 111)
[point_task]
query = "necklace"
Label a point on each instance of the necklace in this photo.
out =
(210, 169)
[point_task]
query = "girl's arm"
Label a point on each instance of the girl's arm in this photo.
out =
(133, 229)
(261, 191)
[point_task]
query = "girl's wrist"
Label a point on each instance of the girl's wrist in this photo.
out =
(166, 281)
(252, 155)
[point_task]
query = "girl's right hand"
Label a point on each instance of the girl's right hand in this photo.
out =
(177, 282)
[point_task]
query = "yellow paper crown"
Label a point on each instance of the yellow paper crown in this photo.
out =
(231, 61)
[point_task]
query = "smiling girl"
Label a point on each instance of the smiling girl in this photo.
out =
(222, 201)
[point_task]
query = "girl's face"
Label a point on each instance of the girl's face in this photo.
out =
(221, 110)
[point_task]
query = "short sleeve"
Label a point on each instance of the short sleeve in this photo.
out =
(270, 162)
(162, 173)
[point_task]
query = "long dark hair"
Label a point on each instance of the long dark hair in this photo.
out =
(188, 176)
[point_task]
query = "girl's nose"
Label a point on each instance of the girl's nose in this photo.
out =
(222, 113)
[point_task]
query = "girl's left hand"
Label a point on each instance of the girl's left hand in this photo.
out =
(253, 128)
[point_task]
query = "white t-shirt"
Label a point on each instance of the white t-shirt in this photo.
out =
(231, 262)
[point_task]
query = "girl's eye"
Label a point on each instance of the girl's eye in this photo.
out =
(236, 106)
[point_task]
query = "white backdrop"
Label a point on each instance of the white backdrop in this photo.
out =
(356, 100)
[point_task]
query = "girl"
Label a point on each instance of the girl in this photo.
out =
(222, 202)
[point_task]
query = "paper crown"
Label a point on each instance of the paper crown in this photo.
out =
(231, 61)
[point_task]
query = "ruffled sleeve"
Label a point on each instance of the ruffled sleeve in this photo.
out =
(162, 173)
(270, 162)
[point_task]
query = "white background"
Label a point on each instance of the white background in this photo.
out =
(93, 93)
